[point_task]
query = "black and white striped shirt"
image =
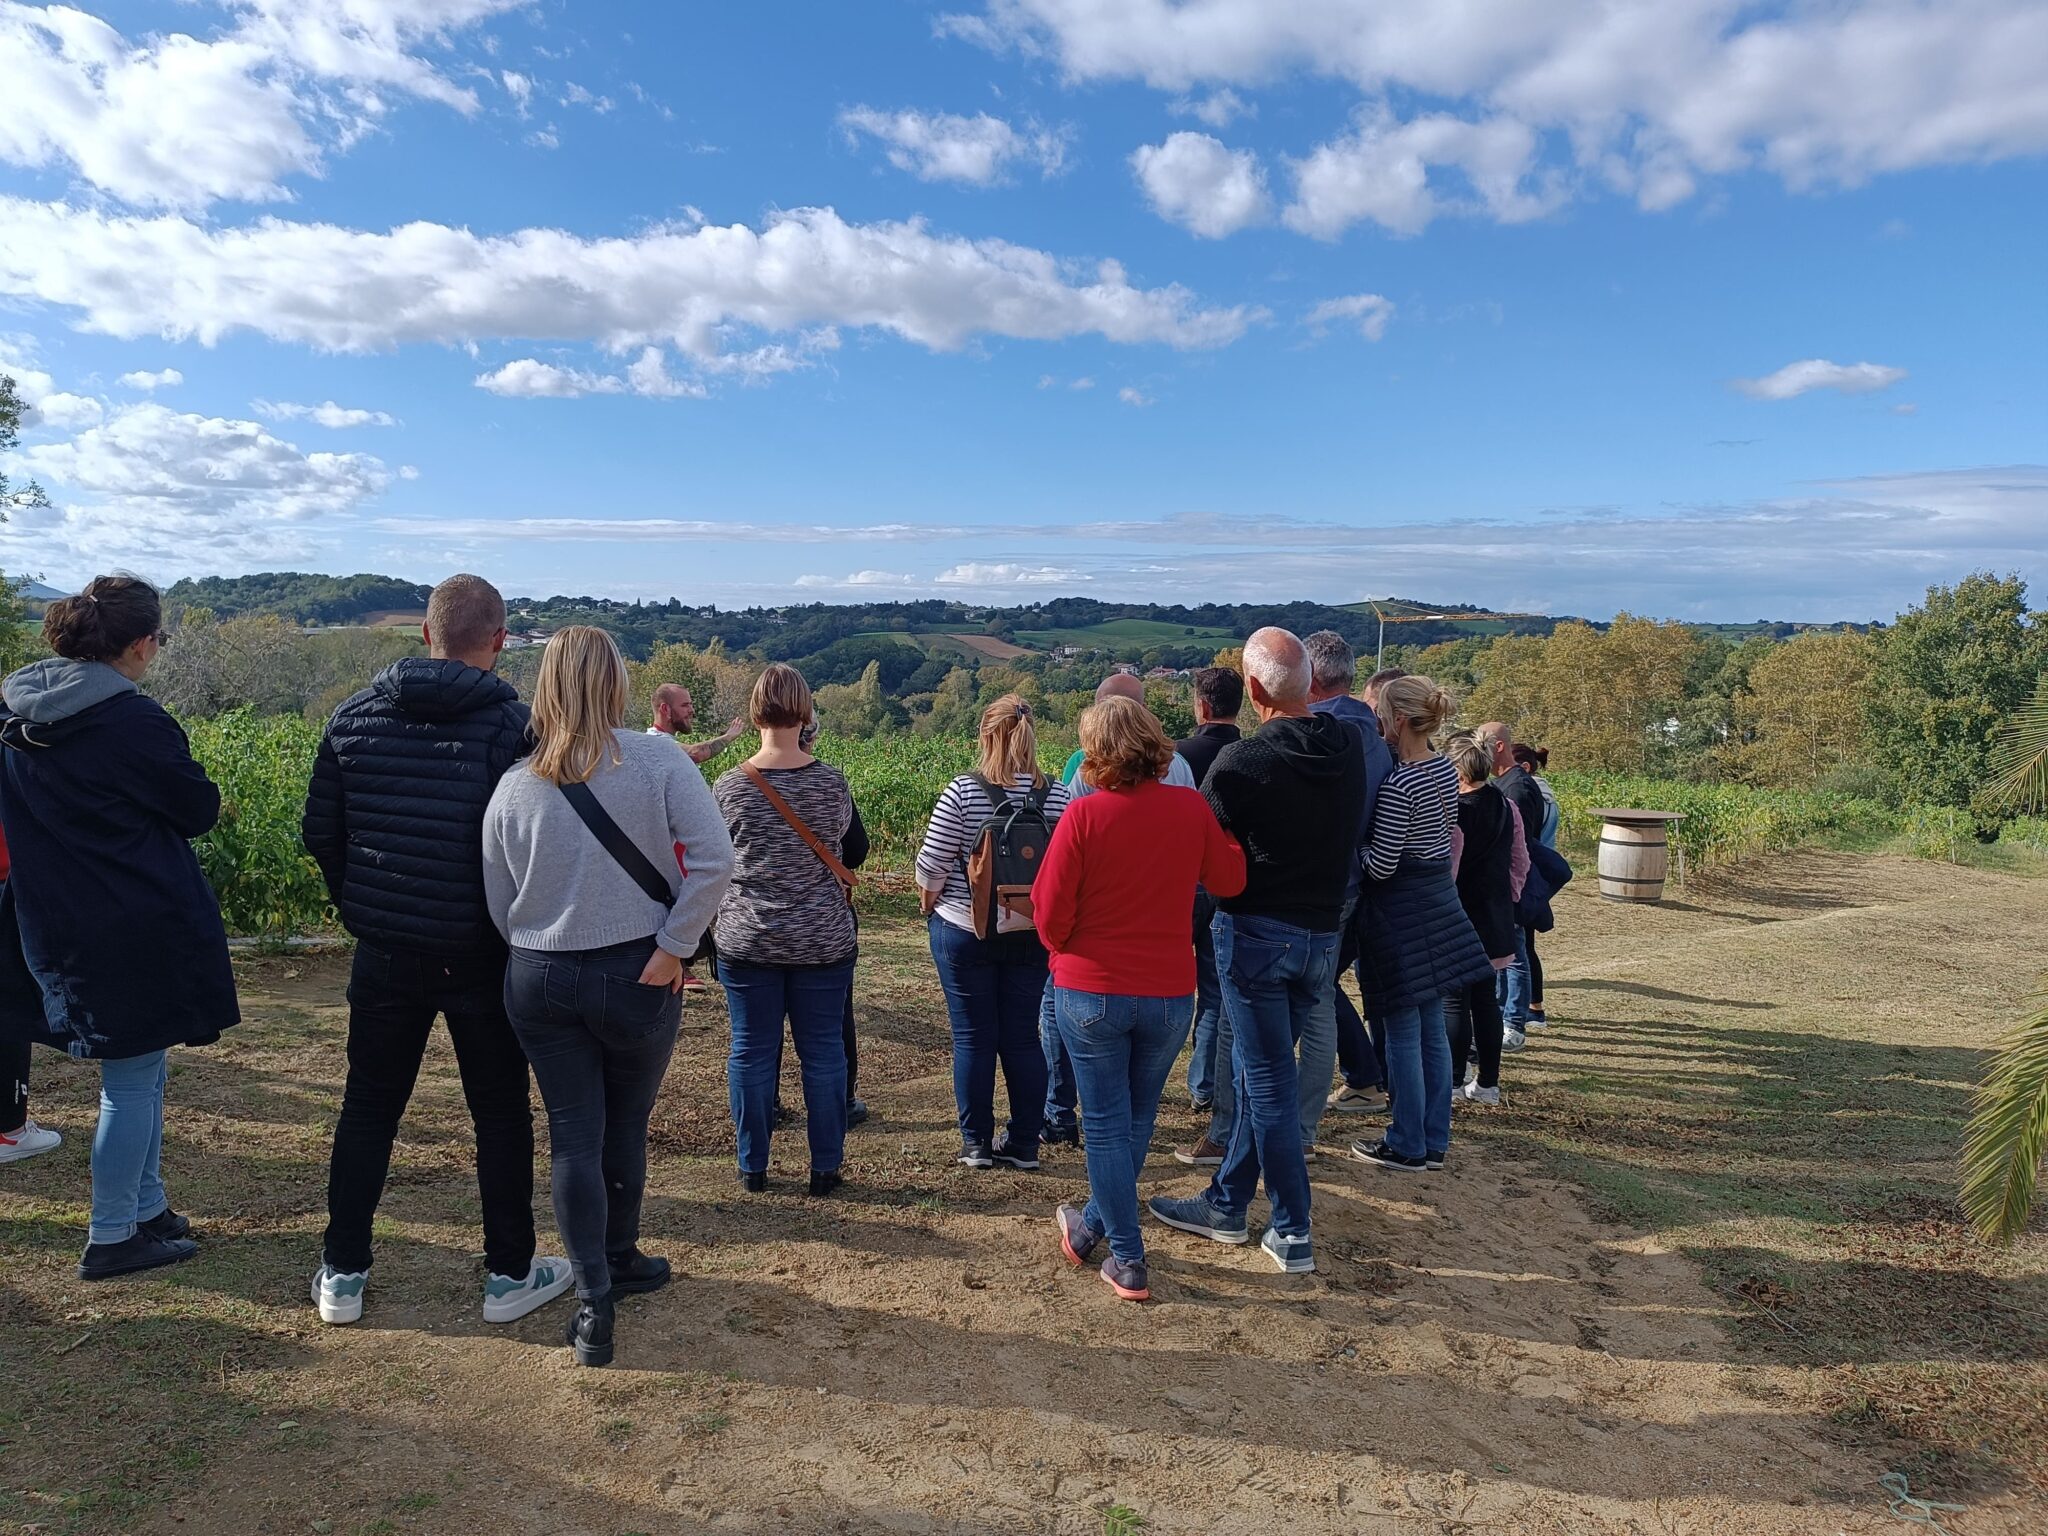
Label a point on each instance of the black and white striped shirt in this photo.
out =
(957, 819)
(1415, 812)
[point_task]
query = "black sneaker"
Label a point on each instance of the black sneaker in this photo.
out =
(1019, 1157)
(976, 1154)
(754, 1183)
(166, 1226)
(856, 1112)
(635, 1273)
(823, 1184)
(1386, 1157)
(1434, 1161)
(132, 1255)
(590, 1331)
(1060, 1135)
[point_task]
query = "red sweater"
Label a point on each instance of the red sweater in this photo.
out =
(3, 854)
(1115, 895)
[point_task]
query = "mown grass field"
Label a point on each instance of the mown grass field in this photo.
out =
(1114, 631)
(1703, 1273)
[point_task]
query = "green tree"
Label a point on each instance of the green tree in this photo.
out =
(1799, 714)
(18, 642)
(1948, 674)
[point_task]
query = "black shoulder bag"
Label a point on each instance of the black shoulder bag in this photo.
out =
(625, 852)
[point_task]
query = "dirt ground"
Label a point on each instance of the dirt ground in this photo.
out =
(1611, 1314)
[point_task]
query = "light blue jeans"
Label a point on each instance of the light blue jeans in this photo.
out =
(1123, 1050)
(1419, 1078)
(1511, 986)
(127, 1149)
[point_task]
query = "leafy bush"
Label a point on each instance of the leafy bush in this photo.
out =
(267, 883)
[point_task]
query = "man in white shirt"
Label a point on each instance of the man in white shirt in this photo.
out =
(675, 712)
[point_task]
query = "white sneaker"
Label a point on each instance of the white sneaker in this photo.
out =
(31, 1140)
(1472, 1093)
(506, 1299)
(1513, 1040)
(338, 1296)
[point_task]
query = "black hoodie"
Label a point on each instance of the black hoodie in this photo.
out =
(1294, 795)
(395, 814)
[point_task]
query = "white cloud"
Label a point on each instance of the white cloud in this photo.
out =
(528, 378)
(1647, 95)
(1381, 171)
(158, 488)
(1817, 373)
(648, 374)
(519, 87)
(325, 414)
(857, 579)
(1219, 108)
(943, 146)
(1370, 312)
(144, 380)
(545, 138)
(1131, 396)
(408, 471)
(1082, 383)
(173, 121)
(974, 573)
(1201, 184)
(66, 413)
(353, 290)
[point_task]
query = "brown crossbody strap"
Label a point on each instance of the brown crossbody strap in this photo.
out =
(847, 878)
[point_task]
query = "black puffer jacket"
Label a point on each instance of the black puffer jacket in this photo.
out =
(395, 814)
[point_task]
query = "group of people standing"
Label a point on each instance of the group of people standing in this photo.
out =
(544, 879)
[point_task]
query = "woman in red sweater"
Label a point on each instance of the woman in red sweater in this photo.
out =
(1111, 902)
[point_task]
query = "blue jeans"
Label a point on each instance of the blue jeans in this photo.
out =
(599, 1042)
(128, 1147)
(814, 999)
(1061, 1090)
(1419, 1080)
(1318, 1042)
(994, 989)
(1203, 1060)
(1511, 986)
(1123, 1049)
(1273, 974)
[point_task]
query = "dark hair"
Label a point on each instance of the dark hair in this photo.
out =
(1221, 691)
(111, 614)
(1381, 678)
(1535, 759)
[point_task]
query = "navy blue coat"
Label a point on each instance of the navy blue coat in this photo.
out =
(111, 942)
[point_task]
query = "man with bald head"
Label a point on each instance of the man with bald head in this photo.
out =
(1122, 685)
(1293, 794)
(675, 712)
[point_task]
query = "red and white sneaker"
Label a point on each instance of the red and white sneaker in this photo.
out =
(30, 1141)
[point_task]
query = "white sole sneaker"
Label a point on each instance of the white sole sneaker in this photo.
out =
(507, 1300)
(31, 1140)
(342, 1300)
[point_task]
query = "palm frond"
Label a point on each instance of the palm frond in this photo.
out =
(2019, 757)
(2008, 1128)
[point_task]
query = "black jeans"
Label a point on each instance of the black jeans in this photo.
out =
(599, 1042)
(1472, 1019)
(13, 1086)
(1535, 970)
(393, 997)
(1361, 1054)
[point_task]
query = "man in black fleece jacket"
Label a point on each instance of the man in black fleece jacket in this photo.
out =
(1293, 795)
(394, 818)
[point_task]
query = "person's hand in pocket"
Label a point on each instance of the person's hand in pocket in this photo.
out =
(662, 970)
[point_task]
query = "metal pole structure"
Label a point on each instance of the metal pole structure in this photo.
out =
(1379, 656)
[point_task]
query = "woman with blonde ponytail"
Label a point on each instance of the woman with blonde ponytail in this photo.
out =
(1418, 944)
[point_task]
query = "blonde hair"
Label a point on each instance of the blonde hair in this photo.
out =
(1468, 754)
(781, 698)
(1009, 744)
(579, 702)
(1122, 745)
(1418, 701)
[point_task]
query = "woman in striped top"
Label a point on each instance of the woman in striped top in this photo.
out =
(785, 934)
(994, 985)
(1416, 941)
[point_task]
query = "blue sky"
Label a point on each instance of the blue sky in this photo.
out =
(1697, 308)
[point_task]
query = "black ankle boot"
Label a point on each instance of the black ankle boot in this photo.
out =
(754, 1183)
(634, 1273)
(825, 1183)
(590, 1331)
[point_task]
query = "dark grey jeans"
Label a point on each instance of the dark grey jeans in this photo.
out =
(599, 1042)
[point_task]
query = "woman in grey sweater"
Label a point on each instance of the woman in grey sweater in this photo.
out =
(595, 980)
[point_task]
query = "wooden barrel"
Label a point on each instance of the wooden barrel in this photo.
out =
(1635, 854)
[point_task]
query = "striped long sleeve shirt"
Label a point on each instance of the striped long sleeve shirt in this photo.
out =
(957, 820)
(1415, 813)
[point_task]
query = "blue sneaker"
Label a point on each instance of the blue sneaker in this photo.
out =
(1291, 1254)
(507, 1298)
(1077, 1238)
(1198, 1216)
(1127, 1280)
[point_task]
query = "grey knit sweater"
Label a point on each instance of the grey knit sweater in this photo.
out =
(552, 886)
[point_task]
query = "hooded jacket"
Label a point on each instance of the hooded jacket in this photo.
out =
(1379, 762)
(1294, 796)
(395, 813)
(111, 943)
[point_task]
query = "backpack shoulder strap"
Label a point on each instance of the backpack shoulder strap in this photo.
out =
(846, 877)
(624, 851)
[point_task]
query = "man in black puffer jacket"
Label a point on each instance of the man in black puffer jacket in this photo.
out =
(394, 819)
